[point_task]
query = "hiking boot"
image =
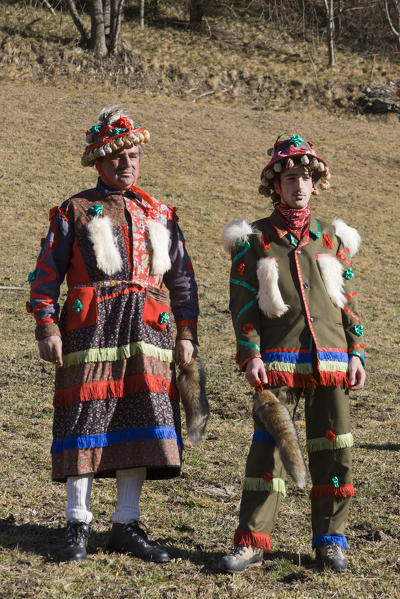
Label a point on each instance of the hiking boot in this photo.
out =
(130, 538)
(240, 558)
(77, 540)
(332, 557)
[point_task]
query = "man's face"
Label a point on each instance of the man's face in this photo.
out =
(296, 187)
(122, 167)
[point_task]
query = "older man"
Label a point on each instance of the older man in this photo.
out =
(297, 332)
(116, 409)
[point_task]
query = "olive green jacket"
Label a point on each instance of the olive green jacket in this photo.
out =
(292, 302)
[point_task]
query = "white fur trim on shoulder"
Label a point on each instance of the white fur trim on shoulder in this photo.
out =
(238, 230)
(332, 274)
(159, 239)
(269, 296)
(104, 244)
(350, 237)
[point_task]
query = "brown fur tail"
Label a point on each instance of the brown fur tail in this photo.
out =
(276, 419)
(191, 385)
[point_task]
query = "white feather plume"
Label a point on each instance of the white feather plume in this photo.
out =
(269, 296)
(332, 274)
(104, 245)
(238, 230)
(350, 237)
(159, 239)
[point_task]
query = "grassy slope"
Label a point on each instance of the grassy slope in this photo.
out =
(204, 158)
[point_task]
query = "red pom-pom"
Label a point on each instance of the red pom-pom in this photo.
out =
(241, 268)
(247, 328)
(267, 477)
(330, 435)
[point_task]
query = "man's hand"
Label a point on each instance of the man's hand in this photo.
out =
(50, 349)
(185, 351)
(356, 373)
(255, 372)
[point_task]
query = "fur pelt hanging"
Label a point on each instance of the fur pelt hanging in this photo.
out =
(191, 385)
(277, 421)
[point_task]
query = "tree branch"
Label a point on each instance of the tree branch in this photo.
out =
(77, 21)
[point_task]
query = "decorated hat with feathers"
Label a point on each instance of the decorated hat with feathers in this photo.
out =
(288, 153)
(113, 131)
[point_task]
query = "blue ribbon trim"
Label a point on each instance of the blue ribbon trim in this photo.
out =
(263, 437)
(333, 356)
(113, 438)
(292, 357)
(322, 540)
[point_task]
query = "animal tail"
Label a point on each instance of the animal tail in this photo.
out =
(277, 421)
(191, 386)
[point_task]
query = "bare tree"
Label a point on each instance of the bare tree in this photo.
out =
(196, 12)
(141, 10)
(106, 19)
(331, 31)
(396, 4)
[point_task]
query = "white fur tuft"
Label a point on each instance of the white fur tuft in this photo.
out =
(350, 237)
(332, 274)
(238, 230)
(104, 244)
(269, 296)
(159, 239)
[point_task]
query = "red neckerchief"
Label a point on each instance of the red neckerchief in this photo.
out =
(296, 221)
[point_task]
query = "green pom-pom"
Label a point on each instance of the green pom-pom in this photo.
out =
(296, 140)
(359, 330)
(97, 209)
(77, 306)
(163, 318)
(349, 274)
(335, 481)
(32, 276)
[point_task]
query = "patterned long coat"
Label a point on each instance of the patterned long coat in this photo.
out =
(115, 403)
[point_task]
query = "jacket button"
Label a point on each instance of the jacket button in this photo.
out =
(305, 285)
(298, 251)
(312, 318)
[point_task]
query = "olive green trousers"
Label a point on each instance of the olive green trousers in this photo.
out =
(329, 443)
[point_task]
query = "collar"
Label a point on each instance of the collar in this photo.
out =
(314, 230)
(107, 190)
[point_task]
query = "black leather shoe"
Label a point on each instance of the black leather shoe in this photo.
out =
(130, 538)
(77, 540)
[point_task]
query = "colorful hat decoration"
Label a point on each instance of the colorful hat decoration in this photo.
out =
(113, 131)
(289, 153)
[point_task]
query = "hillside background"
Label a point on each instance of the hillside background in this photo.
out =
(214, 98)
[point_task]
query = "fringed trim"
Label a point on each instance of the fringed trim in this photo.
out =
(159, 239)
(238, 230)
(332, 275)
(322, 443)
(275, 485)
(113, 354)
(333, 379)
(349, 236)
(109, 389)
(322, 540)
(290, 379)
(341, 492)
(105, 246)
(269, 296)
(253, 539)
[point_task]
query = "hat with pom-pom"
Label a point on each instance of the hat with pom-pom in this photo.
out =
(288, 153)
(113, 131)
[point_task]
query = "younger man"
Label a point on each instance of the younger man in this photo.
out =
(297, 332)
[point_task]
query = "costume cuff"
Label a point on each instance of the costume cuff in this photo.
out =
(48, 329)
(187, 329)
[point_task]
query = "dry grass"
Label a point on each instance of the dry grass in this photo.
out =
(205, 158)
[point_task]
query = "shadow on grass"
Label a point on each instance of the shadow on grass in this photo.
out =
(384, 447)
(42, 540)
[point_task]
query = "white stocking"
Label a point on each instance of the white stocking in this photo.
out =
(79, 489)
(129, 486)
